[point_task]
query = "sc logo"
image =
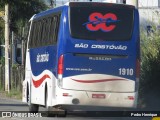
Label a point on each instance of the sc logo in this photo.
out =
(97, 21)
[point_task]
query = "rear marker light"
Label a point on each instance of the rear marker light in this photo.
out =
(131, 97)
(65, 94)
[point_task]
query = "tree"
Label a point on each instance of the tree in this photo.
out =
(21, 11)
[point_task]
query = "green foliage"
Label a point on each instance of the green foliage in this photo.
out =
(150, 44)
(1, 25)
(14, 66)
(1, 87)
(150, 67)
(2, 61)
(1, 31)
(20, 12)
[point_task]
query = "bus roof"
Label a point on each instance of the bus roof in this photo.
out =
(60, 8)
(47, 12)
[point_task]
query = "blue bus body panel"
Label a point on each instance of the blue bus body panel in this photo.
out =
(43, 59)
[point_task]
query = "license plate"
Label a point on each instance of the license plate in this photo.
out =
(100, 96)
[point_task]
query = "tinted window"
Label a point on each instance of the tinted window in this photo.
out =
(101, 22)
(44, 31)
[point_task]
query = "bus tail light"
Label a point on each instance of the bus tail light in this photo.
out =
(60, 65)
(60, 71)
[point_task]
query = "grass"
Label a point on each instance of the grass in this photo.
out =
(14, 94)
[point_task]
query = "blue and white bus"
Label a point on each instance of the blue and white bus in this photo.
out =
(83, 54)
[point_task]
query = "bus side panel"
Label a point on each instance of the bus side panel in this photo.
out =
(26, 82)
(43, 70)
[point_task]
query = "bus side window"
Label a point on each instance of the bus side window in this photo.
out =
(39, 32)
(57, 27)
(32, 36)
(52, 31)
(44, 32)
(48, 41)
(35, 35)
(43, 40)
(35, 41)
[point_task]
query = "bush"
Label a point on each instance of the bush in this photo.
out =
(150, 69)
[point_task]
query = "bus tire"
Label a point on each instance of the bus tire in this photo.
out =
(48, 113)
(63, 115)
(33, 108)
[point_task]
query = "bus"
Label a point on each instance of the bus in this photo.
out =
(83, 55)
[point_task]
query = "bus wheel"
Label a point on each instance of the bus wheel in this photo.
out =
(33, 108)
(63, 114)
(48, 113)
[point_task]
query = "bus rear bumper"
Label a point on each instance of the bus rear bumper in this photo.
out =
(97, 99)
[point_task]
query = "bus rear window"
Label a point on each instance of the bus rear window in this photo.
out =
(107, 23)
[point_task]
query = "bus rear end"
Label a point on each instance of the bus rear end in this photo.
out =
(99, 65)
